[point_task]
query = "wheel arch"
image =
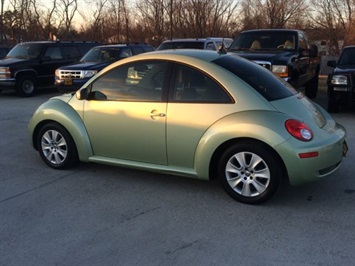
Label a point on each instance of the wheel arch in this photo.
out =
(265, 128)
(57, 111)
(213, 165)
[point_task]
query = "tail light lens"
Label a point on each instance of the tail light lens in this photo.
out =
(299, 130)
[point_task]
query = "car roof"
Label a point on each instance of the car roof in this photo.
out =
(198, 39)
(272, 30)
(205, 55)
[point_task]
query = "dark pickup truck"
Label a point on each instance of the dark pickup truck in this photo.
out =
(287, 53)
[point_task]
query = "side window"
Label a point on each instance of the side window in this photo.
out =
(191, 85)
(138, 81)
(54, 53)
(303, 42)
(210, 46)
(125, 52)
(71, 52)
(137, 50)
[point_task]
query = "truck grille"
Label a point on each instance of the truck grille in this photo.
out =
(70, 74)
(265, 64)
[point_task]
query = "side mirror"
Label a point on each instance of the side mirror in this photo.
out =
(332, 63)
(82, 94)
(313, 52)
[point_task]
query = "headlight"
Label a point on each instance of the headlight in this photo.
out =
(56, 73)
(339, 80)
(281, 71)
(5, 72)
(89, 73)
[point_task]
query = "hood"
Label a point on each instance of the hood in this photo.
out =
(345, 69)
(301, 108)
(13, 61)
(87, 66)
(267, 55)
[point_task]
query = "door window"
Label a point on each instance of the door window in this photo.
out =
(138, 81)
(191, 85)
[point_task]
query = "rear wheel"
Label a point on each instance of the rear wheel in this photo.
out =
(56, 147)
(249, 172)
(312, 87)
(26, 86)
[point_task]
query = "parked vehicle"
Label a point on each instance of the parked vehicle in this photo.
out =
(31, 65)
(195, 113)
(199, 43)
(341, 83)
(72, 77)
(287, 53)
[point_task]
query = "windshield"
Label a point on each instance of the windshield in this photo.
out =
(181, 45)
(26, 51)
(264, 41)
(270, 86)
(347, 57)
(101, 54)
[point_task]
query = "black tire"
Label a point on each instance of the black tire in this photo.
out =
(56, 147)
(312, 87)
(332, 107)
(26, 86)
(246, 183)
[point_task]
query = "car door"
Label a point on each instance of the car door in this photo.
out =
(126, 113)
(196, 102)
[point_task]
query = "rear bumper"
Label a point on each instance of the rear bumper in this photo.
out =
(331, 151)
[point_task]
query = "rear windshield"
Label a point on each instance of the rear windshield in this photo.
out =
(270, 86)
(181, 45)
(347, 57)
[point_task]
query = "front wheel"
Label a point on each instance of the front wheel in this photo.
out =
(249, 172)
(312, 87)
(26, 86)
(56, 147)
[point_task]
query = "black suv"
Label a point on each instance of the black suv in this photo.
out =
(30, 65)
(341, 83)
(72, 77)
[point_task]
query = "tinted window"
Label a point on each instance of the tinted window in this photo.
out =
(71, 52)
(347, 57)
(262, 80)
(191, 85)
(210, 46)
(136, 50)
(26, 50)
(138, 81)
(53, 52)
(181, 45)
(148, 48)
(101, 54)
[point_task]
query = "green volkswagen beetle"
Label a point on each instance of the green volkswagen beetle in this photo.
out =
(200, 114)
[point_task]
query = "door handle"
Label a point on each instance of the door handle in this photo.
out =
(153, 114)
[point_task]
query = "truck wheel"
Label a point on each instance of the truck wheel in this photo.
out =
(26, 86)
(312, 87)
(249, 172)
(332, 107)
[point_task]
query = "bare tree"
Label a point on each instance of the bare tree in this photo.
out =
(67, 10)
(271, 13)
(335, 21)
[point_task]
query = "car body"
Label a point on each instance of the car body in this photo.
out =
(341, 82)
(72, 77)
(30, 65)
(196, 113)
(211, 43)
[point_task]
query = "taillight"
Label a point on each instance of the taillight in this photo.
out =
(299, 130)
